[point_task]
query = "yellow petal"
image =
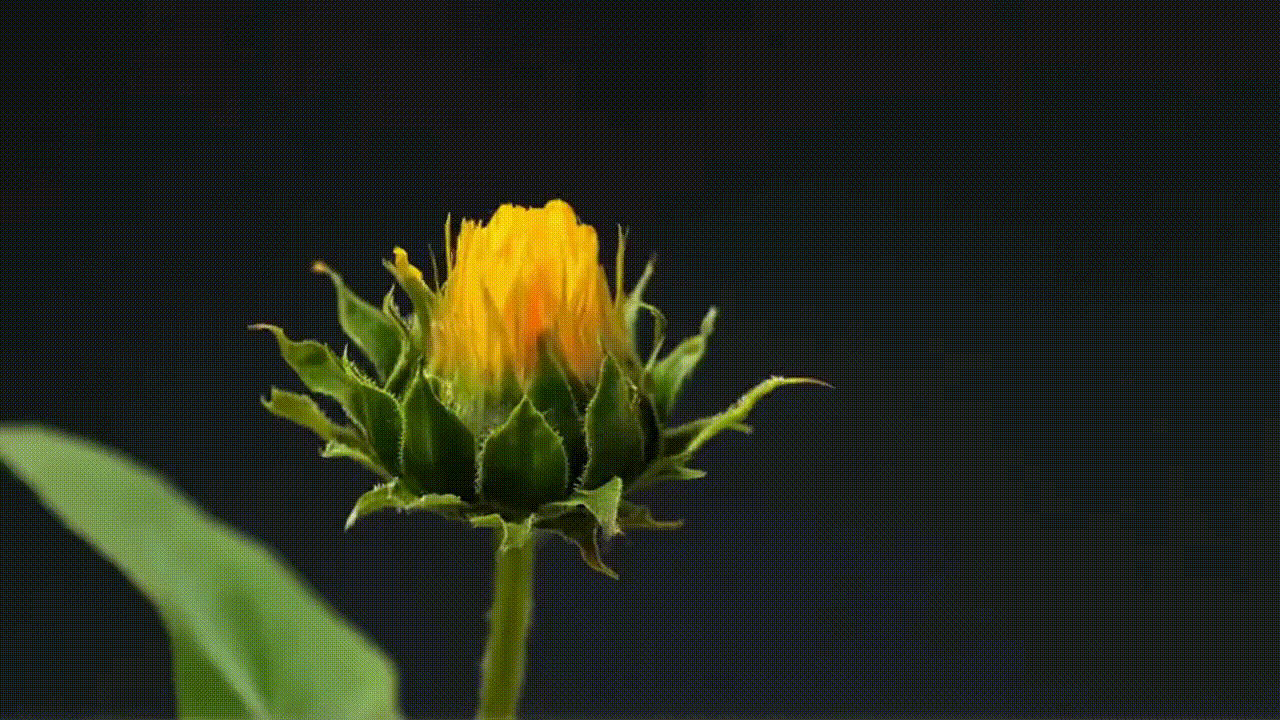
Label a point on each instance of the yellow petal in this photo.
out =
(525, 274)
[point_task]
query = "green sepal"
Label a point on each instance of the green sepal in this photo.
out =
(410, 278)
(391, 309)
(523, 463)
(438, 452)
(315, 364)
(631, 515)
(551, 393)
(302, 409)
(579, 528)
(615, 436)
(602, 503)
(395, 495)
(389, 494)
(675, 441)
(651, 426)
(404, 373)
(372, 331)
(514, 534)
(378, 413)
(659, 335)
(634, 299)
(667, 376)
(671, 466)
(410, 354)
(577, 388)
(665, 469)
(352, 369)
(334, 449)
(738, 412)
(371, 408)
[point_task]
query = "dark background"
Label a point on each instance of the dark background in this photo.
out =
(1036, 261)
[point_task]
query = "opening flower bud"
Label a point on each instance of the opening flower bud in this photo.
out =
(528, 273)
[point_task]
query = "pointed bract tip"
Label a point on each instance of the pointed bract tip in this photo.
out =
(403, 266)
(799, 380)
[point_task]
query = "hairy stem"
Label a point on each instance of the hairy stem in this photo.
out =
(502, 671)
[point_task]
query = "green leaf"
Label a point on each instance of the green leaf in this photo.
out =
(394, 495)
(303, 410)
(439, 452)
(523, 463)
(371, 408)
(602, 503)
(249, 638)
(372, 331)
(615, 436)
(199, 689)
(667, 376)
(579, 528)
(514, 534)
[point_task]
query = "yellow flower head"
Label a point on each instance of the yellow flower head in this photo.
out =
(527, 274)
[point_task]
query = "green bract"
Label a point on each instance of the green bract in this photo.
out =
(562, 456)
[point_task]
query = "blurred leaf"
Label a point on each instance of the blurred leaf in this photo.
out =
(249, 638)
(199, 689)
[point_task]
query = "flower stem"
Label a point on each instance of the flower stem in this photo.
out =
(502, 671)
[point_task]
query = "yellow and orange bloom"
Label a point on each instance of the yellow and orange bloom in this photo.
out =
(527, 274)
(512, 396)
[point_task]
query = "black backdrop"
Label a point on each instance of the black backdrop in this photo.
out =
(1036, 268)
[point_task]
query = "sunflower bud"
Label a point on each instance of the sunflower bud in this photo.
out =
(512, 395)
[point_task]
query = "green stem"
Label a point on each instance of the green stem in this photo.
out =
(502, 671)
